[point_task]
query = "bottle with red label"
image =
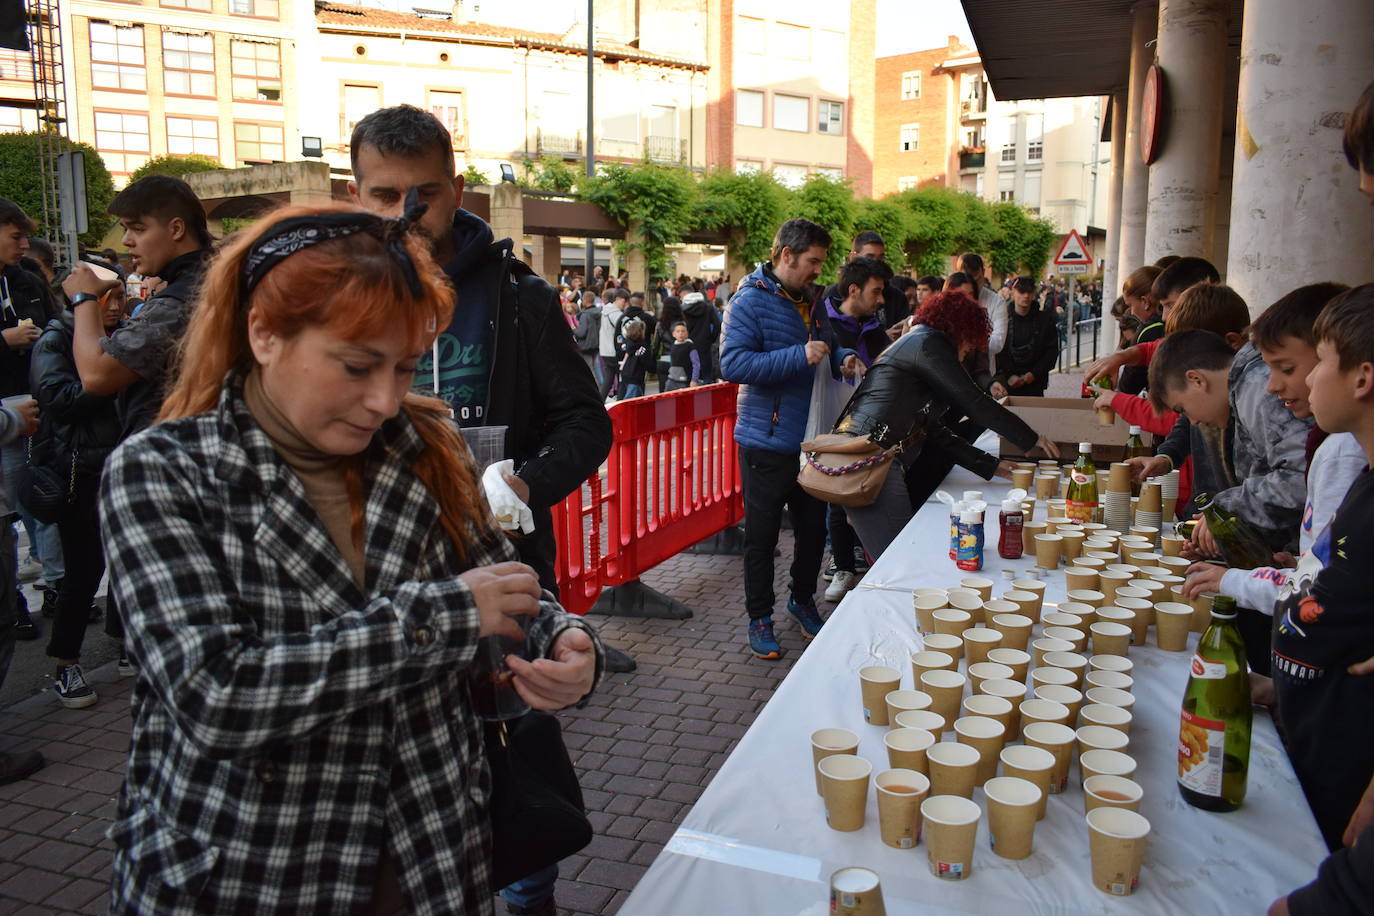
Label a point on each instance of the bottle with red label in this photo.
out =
(1082, 496)
(1011, 522)
(1214, 730)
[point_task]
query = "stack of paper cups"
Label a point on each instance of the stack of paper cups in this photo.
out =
(1168, 485)
(1149, 510)
(1116, 501)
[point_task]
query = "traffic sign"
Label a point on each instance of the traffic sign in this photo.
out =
(1072, 250)
(1071, 268)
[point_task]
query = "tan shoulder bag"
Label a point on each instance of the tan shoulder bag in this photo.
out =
(845, 470)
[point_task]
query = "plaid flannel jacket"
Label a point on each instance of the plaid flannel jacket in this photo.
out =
(287, 727)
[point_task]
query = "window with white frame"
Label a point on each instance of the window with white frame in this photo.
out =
(748, 108)
(359, 101)
(911, 85)
(791, 176)
(188, 64)
(263, 9)
(1030, 191)
(122, 139)
(751, 35)
(117, 57)
(791, 112)
(911, 137)
(447, 106)
(748, 166)
(258, 142)
(193, 135)
(1009, 152)
(834, 173)
(1006, 186)
(831, 117)
(908, 183)
(1035, 138)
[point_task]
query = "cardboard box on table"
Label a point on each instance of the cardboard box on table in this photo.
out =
(1068, 421)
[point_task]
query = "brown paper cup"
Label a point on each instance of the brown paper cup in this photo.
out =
(1086, 614)
(1171, 545)
(1038, 710)
(951, 829)
(1026, 603)
(1116, 840)
(1110, 696)
(1012, 807)
(1079, 578)
(1015, 659)
(1105, 763)
(952, 622)
(1011, 691)
(1033, 764)
(979, 584)
(844, 784)
(903, 700)
(978, 642)
(986, 671)
(1109, 580)
(1089, 596)
(1070, 698)
(1028, 532)
(875, 683)
(994, 606)
(953, 646)
(953, 768)
(1046, 486)
(1120, 481)
(1072, 544)
(1099, 738)
(1075, 638)
(925, 720)
(990, 707)
(986, 736)
(1048, 644)
(1202, 612)
(1114, 679)
(1150, 498)
(925, 607)
(906, 748)
(900, 793)
(1021, 478)
(1072, 662)
(1111, 792)
(1015, 629)
(1104, 714)
(946, 688)
(1066, 620)
(1035, 586)
(1058, 740)
(826, 742)
(856, 892)
(1111, 663)
(1171, 625)
(1111, 638)
(924, 661)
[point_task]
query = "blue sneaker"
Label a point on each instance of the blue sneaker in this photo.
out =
(761, 639)
(807, 616)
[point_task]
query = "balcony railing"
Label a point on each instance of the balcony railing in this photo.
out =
(665, 149)
(558, 144)
(972, 160)
(973, 108)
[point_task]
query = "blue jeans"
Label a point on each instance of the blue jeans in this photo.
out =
(44, 541)
(531, 891)
(632, 391)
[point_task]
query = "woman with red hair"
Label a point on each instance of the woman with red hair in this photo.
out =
(307, 565)
(905, 398)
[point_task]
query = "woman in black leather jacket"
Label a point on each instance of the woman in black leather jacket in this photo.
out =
(77, 433)
(905, 397)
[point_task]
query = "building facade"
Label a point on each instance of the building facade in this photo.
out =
(914, 101)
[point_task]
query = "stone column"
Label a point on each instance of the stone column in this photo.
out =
(508, 213)
(1135, 174)
(634, 261)
(1112, 272)
(1296, 214)
(1181, 216)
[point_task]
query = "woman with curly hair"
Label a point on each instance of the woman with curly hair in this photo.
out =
(911, 394)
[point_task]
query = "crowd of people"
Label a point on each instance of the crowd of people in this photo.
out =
(262, 442)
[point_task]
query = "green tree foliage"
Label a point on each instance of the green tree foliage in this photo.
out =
(890, 220)
(20, 182)
(473, 176)
(549, 173)
(936, 226)
(831, 204)
(750, 204)
(1023, 241)
(175, 166)
(655, 203)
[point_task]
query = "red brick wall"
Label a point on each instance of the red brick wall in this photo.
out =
(720, 84)
(863, 25)
(929, 161)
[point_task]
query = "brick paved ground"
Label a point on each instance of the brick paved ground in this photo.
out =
(645, 747)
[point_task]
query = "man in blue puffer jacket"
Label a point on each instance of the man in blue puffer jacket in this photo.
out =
(766, 350)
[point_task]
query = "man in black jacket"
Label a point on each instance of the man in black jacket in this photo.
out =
(506, 359)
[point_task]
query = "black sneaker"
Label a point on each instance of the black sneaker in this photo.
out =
(830, 570)
(125, 665)
(860, 561)
(71, 687)
(24, 627)
(95, 615)
(49, 601)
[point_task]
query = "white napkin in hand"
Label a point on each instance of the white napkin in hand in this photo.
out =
(506, 507)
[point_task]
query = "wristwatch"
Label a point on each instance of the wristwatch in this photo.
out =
(84, 297)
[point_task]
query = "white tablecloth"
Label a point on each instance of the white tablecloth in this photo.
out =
(756, 842)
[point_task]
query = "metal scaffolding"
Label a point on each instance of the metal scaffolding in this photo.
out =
(50, 102)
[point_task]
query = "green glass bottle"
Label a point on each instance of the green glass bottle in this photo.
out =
(1081, 497)
(1214, 730)
(1136, 448)
(1241, 546)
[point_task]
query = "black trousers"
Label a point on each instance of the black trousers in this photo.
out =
(933, 464)
(843, 540)
(84, 558)
(769, 480)
(610, 372)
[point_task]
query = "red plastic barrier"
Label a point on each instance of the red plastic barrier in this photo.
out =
(672, 479)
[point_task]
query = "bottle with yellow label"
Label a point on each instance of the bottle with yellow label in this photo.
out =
(1082, 493)
(1214, 732)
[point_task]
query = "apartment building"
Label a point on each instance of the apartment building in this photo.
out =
(915, 103)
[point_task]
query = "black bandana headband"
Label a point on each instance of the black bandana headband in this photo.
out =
(300, 232)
